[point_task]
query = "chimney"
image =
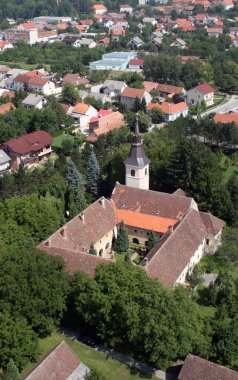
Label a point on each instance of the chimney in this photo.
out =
(82, 217)
(145, 261)
(102, 201)
(171, 229)
(64, 232)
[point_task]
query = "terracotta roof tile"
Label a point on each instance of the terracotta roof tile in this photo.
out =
(212, 223)
(205, 88)
(5, 108)
(59, 363)
(169, 89)
(30, 142)
(168, 108)
(195, 368)
(81, 108)
(226, 118)
(130, 92)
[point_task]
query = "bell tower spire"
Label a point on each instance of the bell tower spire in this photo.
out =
(137, 163)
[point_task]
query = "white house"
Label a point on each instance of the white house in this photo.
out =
(129, 96)
(126, 8)
(82, 113)
(34, 101)
(99, 9)
(113, 88)
(5, 162)
(199, 93)
(171, 111)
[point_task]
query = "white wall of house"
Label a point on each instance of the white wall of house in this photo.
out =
(194, 96)
(4, 166)
(84, 119)
(174, 116)
(198, 254)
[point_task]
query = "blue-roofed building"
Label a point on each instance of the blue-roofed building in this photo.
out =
(113, 61)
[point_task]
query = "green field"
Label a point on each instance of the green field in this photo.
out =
(112, 369)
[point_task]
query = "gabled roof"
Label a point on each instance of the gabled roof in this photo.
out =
(27, 25)
(134, 93)
(4, 158)
(168, 108)
(30, 142)
(149, 86)
(81, 108)
(170, 256)
(169, 89)
(226, 118)
(32, 99)
(212, 223)
(37, 81)
(205, 88)
(98, 7)
(5, 108)
(59, 363)
(196, 368)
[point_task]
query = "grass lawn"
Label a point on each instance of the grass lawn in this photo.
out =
(23, 65)
(112, 369)
(57, 142)
(229, 167)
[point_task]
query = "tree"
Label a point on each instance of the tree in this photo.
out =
(75, 201)
(70, 94)
(157, 115)
(151, 241)
(17, 341)
(73, 176)
(228, 251)
(122, 241)
(93, 174)
(11, 372)
(195, 278)
(92, 250)
(144, 122)
(38, 285)
(67, 146)
(94, 374)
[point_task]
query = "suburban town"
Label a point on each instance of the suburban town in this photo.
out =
(119, 190)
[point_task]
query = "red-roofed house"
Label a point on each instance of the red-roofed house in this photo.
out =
(130, 94)
(60, 363)
(165, 90)
(126, 8)
(104, 122)
(33, 81)
(99, 9)
(5, 108)
(136, 64)
(82, 113)
(26, 26)
(170, 110)
(228, 4)
(199, 93)
(225, 118)
(29, 149)
(215, 32)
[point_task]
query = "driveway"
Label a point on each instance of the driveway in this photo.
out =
(231, 105)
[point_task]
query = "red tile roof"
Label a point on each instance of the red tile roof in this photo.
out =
(205, 88)
(226, 118)
(81, 108)
(145, 221)
(5, 108)
(30, 142)
(58, 364)
(212, 223)
(97, 7)
(134, 93)
(168, 108)
(37, 81)
(27, 25)
(169, 89)
(196, 368)
(136, 62)
(149, 86)
(105, 124)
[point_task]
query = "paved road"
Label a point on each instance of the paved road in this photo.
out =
(231, 105)
(142, 367)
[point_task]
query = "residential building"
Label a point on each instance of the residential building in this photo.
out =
(136, 64)
(214, 32)
(104, 122)
(113, 61)
(171, 111)
(34, 101)
(165, 90)
(72, 40)
(228, 4)
(26, 26)
(99, 9)
(129, 96)
(225, 118)
(60, 363)
(113, 88)
(82, 113)
(149, 20)
(185, 234)
(75, 79)
(5, 162)
(125, 8)
(6, 107)
(199, 93)
(28, 150)
(52, 19)
(136, 42)
(195, 368)
(179, 43)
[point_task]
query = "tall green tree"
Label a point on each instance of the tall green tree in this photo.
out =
(151, 241)
(93, 175)
(122, 241)
(11, 372)
(73, 176)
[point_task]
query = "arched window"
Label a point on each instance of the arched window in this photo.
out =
(145, 171)
(107, 246)
(136, 241)
(100, 252)
(133, 173)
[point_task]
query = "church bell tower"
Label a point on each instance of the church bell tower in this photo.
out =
(137, 163)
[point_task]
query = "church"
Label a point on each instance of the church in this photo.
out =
(184, 234)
